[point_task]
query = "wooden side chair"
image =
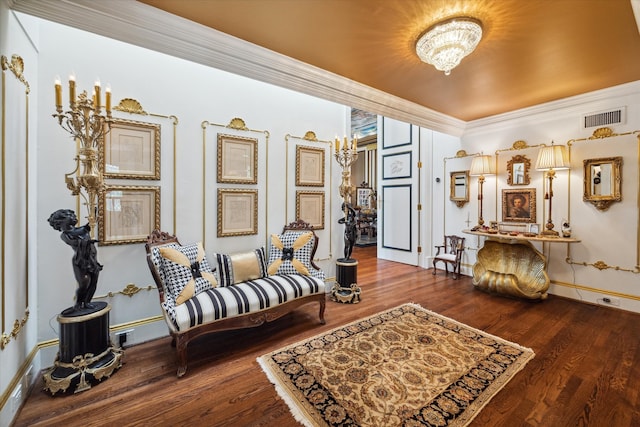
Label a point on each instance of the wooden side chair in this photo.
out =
(450, 253)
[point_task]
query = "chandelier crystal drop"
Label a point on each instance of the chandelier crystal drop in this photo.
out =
(446, 43)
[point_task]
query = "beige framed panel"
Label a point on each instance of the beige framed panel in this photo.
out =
(131, 150)
(310, 208)
(237, 159)
(237, 212)
(309, 166)
(128, 214)
(519, 205)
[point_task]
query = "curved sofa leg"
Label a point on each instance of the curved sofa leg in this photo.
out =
(181, 353)
(323, 303)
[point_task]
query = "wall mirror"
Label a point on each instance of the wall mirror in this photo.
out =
(459, 188)
(603, 181)
(518, 170)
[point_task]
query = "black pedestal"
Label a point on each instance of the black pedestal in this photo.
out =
(86, 355)
(346, 289)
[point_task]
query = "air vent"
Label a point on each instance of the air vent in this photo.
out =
(604, 118)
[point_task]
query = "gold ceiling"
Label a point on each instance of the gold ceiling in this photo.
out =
(532, 51)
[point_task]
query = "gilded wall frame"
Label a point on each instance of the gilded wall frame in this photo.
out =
(309, 166)
(237, 212)
(459, 188)
(237, 159)
(602, 181)
(519, 205)
(518, 170)
(128, 214)
(310, 208)
(131, 150)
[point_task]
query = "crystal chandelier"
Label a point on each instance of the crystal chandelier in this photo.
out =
(446, 43)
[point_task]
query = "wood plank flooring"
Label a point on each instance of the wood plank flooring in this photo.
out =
(586, 371)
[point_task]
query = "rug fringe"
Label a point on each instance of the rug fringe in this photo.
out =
(291, 403)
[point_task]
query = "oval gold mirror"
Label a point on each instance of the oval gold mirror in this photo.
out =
(603, 181)
(518, 170)
(459, 188)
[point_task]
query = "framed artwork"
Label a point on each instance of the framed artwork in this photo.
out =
(310, 208)
(396, 166)
(518, 170)
(237, 159)
(237, 212)
(309, 166)
(363, 197)
(534, 229)
(131, 150)
(128, 214)
(519, 205)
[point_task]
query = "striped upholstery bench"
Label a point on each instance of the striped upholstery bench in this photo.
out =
(245, 304)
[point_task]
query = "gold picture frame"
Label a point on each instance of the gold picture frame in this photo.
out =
(602, 181)
(310, 208)
(131, 150)
(128, 214)
(519, 205)
(518, 170)
(237, 212)
(459, 188)
(237, 159)
(309, 166)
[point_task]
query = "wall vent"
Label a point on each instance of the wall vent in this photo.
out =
(604, 118)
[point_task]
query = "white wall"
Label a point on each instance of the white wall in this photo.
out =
(610, 236)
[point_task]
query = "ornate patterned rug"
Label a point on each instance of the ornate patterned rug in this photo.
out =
(404, 366)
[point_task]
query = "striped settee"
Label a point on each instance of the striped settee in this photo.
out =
(227, 305)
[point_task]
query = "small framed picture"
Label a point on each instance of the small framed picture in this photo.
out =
(309, 166)
(534, 229)
(237, 212)
(396, 166)
(131, 150)
(128, 214)
(310, 208)
(364, 197)
(519, 205)
(237, 159)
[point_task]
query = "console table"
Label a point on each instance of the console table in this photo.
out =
(510, 265)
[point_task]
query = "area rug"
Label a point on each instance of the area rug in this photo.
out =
(404, 366)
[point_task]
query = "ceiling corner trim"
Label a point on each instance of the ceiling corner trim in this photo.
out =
(145, 26)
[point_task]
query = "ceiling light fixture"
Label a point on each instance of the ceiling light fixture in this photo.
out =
(447, 42)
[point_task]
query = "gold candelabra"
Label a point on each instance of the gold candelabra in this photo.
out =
(88, 126)
(345, 156)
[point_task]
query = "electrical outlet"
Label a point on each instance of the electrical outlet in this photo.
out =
(123, 337)
(610, 301)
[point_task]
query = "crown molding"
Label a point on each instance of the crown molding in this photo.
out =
(145, 26)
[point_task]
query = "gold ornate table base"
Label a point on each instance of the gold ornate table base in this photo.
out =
(511, 267)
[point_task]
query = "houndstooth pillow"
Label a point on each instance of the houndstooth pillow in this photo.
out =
(187, 271)
(290, 253)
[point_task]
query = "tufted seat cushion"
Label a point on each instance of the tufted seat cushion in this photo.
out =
(247, 297)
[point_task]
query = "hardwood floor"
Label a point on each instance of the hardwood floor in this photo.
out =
(586, 371)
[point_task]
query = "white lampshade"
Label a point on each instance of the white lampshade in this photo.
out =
(482, 165)
(552, 157)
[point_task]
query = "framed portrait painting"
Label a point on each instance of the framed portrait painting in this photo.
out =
(519, 205)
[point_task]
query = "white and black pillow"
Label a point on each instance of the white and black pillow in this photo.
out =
(290, 253)
(187, 271)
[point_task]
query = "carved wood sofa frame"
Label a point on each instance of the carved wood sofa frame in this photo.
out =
(180, 340)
